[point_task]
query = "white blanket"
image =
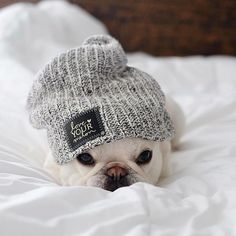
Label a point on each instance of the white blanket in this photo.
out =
(199, 198)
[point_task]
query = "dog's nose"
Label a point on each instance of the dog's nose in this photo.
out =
(116, 172)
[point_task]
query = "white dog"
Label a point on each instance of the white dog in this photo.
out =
(91, 102)
(123, 162)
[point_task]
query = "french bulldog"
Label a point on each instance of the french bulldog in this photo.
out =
(123, 162)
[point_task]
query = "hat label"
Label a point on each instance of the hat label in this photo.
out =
(84, 127)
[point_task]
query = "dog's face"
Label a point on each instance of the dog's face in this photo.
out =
(117, 164)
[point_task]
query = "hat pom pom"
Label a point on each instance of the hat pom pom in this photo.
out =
(108, 53)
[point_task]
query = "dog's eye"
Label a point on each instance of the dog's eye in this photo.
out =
(144, 157)
(85, 159)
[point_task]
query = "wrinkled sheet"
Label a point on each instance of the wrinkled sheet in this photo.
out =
(199, 198)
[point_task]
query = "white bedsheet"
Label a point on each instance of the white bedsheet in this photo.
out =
(198, 199)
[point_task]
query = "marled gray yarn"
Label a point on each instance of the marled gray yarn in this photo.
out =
(130, 103)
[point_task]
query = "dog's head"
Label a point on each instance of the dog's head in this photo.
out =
(117, 164)
(91, 97)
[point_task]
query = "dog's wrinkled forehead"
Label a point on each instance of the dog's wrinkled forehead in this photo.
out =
(125, 149)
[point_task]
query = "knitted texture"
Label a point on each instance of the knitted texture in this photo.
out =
(88, 96)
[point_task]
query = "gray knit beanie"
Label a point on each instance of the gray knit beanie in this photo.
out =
(88, 96)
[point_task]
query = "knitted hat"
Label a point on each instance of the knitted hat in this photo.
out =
(88, 96)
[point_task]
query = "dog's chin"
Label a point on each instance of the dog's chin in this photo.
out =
(107, 183)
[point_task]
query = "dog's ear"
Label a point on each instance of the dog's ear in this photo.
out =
(165, 148)
(178, 119)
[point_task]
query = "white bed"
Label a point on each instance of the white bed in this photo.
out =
(198, 199)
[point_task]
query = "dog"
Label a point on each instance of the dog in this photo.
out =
(122, 162)
(102, 117)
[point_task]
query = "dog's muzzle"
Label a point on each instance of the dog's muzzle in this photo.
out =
(116, 177)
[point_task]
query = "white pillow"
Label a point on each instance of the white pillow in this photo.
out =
(30, 31)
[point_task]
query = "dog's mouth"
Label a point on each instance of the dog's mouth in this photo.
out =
(112, 185)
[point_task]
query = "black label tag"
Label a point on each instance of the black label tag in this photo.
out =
(84, 127)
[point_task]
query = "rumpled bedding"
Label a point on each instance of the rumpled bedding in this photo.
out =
(198, 198)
